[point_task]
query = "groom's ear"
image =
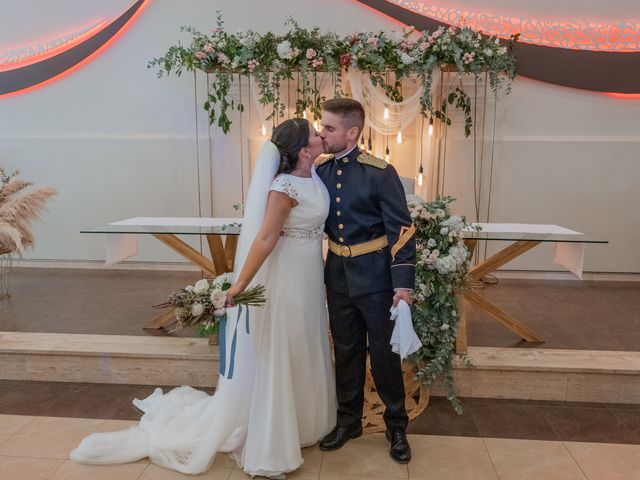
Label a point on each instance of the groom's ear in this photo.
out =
(353, 134)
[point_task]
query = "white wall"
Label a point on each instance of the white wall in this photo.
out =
(117, 142)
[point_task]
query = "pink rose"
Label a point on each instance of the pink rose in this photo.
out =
(252, 64)
(311, 53)
(317, 62)
(208, 48)
(373, 41)
(201, 55)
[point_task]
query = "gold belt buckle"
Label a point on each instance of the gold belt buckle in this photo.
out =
(345, 251)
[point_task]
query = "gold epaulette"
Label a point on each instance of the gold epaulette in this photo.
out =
(368, 159)
(325, 160)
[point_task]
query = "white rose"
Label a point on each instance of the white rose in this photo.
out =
(431, 243)
(444, 326)
(395, 36)
(440, 213)
(218, 298)
(284, 49)
(488, 52)
(444, 231)
(201, 286)
(218, 312)
(407, 59)
(425, 214)
(189, 288)
(222, 279)
(197, 309)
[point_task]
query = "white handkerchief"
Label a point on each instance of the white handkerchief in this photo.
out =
(404, 340)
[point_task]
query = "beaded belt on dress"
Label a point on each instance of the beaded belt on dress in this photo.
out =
(303, 233)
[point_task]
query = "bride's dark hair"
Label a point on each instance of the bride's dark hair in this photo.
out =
(290, 137)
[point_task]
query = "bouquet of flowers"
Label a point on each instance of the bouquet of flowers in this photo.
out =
(441, 273)
(202, 305)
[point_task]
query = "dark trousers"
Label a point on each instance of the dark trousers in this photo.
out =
(352, 320)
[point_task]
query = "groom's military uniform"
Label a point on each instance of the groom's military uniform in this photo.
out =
(371, 253)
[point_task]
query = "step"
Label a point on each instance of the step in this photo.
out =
(515, 373)
(126, 359)
(548, 374)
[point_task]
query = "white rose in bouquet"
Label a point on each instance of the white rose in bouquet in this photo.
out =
(222, 279)
(218, 298)
(189, 288)
(197, 309)
(201, 286)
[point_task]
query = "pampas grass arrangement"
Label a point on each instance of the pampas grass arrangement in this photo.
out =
(18, 208)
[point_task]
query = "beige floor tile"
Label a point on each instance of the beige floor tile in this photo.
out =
(449, 458)
(237, 474)
(49, 437)
(223, 461)
(115, 425)
(27, 468)
(367, 456)
(302, 475)
(532, 460)
(154, 472)
(607, 461)
(75, 471)
(337, 476)
(10, 424)
(312, 459)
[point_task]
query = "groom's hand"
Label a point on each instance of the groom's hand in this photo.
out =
(402, 294)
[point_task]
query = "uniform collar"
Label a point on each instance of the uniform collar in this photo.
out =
(350, 155)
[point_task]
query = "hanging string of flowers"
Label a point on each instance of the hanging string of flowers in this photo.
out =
(387, 57)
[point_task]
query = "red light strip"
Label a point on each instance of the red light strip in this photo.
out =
(90, 57)
(581, 34)
(21, 56)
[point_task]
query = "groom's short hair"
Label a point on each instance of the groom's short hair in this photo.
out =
(351, 111)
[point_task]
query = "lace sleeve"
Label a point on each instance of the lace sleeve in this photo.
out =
(286, 186)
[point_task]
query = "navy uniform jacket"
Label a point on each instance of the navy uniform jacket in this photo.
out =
(367, 202)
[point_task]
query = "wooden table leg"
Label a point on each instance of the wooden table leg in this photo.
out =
(218, 253)
(230, 246)
(504, 256)
(161, 321)
(507, 320)
(490, 265)
(461, 337)
(186, 251)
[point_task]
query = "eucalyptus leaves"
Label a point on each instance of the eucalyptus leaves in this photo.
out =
(441, 273)
(387, 57)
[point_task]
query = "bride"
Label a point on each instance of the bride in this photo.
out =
(281, 396)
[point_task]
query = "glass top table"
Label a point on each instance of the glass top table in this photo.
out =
(169, 230)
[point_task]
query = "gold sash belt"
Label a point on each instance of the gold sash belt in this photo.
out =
(360, 248)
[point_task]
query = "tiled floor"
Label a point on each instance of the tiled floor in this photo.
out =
(568, 314)
(513, 419)
(37, 448)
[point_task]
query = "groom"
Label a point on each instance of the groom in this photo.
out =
(370, 266)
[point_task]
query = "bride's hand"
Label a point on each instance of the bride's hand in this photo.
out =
(233, 290)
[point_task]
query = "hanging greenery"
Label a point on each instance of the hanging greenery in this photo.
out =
(303, 55)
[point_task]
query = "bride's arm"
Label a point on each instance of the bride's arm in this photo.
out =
(279, 206)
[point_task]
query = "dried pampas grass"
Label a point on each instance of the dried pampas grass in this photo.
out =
(17, 210)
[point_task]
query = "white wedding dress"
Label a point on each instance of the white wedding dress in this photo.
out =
(281, 396)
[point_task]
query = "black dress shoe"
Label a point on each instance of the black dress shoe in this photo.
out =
(339, 436)
(400, 450)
